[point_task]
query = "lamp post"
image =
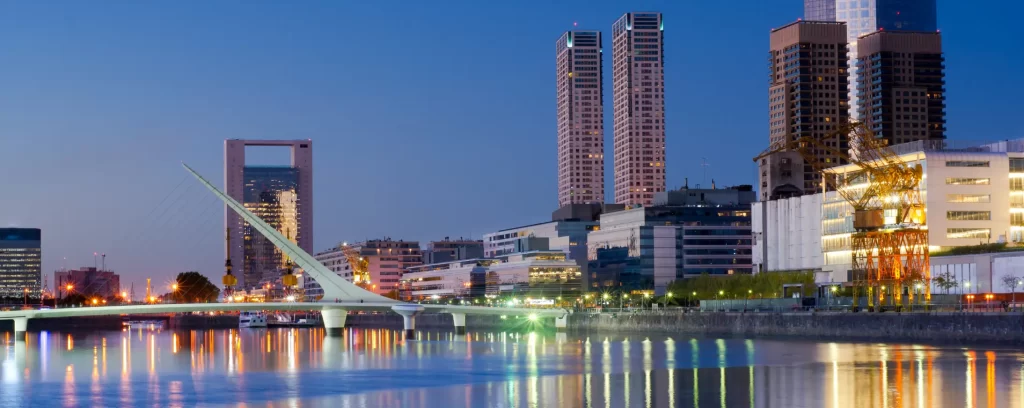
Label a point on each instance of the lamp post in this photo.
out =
(967, 285)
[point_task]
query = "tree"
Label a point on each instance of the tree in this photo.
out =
(194, 287)
(946, 281)
(1011, 282)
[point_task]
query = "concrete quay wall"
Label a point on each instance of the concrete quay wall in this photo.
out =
(996, 328)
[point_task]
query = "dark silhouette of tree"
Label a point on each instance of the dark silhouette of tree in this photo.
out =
(194, 287)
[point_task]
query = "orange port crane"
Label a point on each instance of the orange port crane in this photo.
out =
(360, 266)
(889, 242)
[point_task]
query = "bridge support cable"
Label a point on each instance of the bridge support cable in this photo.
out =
(334, 286)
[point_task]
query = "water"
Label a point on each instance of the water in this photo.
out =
(150, 366)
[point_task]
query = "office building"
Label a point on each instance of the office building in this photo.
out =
(335, 260)
(280, 195)
(691, 232)
(807, 98)
(638, 86)
(445, 280)
(386, 260)
(566, 235)
(89, 281)
(20, 261)
(448, 250)
(580, 117)
(901, 86)
(540, 276)
(975, 195)
(866, 16)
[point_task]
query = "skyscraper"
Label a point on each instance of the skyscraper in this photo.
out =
(866, 16)
(280, 195)
(807, 98)
(901, 85)
(580, 118)
(638, 78)
(20, 261)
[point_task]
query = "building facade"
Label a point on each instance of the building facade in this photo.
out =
(334, 259)
(89, 282)
(866, 16)
(685, 236)
(20, 261)
(973, 194)
(580, 93)
(387, 260)
(448, 250)
(280, 195)
(638, 78)
(566, 235)
(535, 274)
(901, 85)
(806, 98)
(787, 234)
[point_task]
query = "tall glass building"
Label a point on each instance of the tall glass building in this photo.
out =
(867, 16)
(280, 195)
(20, 261)
(270, 193)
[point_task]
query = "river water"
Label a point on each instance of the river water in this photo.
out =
(152, 367)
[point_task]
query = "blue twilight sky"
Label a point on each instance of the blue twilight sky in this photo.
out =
(429, 118)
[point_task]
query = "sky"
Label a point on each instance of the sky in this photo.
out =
(428, 119)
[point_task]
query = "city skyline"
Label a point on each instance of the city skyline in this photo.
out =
(96, 124)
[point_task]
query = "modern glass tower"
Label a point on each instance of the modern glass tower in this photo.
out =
(867, 16)
(282, 196)
(20, 265)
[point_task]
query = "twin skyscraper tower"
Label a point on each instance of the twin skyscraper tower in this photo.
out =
(638, 101)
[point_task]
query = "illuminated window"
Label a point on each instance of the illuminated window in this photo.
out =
(982, 233)
(966, 163)
(964, 181)
(968, 198)
(968, 215)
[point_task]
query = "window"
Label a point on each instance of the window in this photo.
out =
(969, 215)
(964, 181)
(955, 233)
(968, 198)
(966, 163)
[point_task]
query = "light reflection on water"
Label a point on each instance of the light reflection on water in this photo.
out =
(377, 367)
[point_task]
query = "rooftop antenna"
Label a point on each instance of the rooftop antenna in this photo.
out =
(704, 164)
(104, 262)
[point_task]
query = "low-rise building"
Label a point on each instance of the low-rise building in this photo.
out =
(536, 274)
(448, 250)
(88, 281)
(691, 232)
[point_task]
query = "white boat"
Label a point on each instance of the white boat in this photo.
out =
(252, 319)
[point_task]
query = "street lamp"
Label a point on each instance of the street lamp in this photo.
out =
(26, 296)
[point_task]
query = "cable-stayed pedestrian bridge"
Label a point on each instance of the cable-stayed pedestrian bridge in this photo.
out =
(340, 295)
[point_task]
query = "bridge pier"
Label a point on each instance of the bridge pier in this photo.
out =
(334, 320)
(20, 327)
(460, 322)
(561, 322)
(409, 312)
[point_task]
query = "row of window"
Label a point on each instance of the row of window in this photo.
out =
(969, 215)
(966, 163)
(967, 181)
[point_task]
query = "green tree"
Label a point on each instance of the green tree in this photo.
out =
(945, 281)
(194, 287)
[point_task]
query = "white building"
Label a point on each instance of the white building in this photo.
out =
(536, 273)
(972, 195)
(334, 260)
(787, 234)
